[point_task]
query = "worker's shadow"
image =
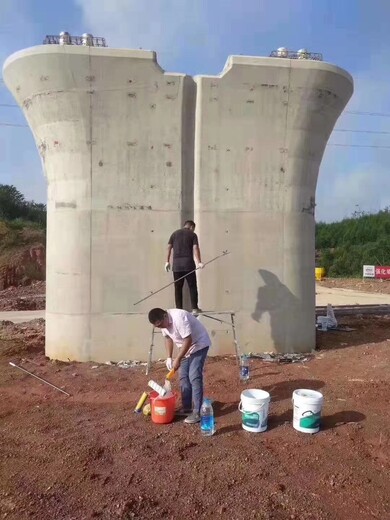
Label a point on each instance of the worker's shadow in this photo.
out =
(276, 299)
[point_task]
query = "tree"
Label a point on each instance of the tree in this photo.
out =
(344, 247)
(14, 206)
(11, 202)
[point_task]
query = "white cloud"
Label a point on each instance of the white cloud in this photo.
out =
(202, 28)
(365, 189)
(358, 176)
(161, 25)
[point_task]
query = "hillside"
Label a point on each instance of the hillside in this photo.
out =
(22, 253)
(22, 239)
(344, 247)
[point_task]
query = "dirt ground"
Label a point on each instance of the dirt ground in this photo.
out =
(23, 298)
(89, 456)
(358, 284)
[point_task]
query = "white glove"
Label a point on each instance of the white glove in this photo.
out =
(200, 265)
(169, 363)
(167, 267)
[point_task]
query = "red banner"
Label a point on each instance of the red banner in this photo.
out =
(382, 271)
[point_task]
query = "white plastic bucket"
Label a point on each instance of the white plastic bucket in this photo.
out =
(307, 410)
(254, 409)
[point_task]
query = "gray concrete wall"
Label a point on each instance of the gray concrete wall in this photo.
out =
(117, 148)
(261, 130)
(128, 157)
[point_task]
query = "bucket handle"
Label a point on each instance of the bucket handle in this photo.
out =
(243, 411)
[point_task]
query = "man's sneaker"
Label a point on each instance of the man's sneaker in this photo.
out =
(182, 412)
(192, 419)
(195, 312)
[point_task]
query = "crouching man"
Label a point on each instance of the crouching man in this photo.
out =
(193, 342)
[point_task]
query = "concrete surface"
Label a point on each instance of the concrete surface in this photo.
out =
(112, 131)
(261, 130)
(325, 295)
(120, 141)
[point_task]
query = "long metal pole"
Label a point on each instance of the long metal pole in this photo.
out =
(224, 253)
(148, 366)
(216, 319)
(235, 340)
(40, 378)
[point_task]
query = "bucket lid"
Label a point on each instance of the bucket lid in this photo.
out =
(304, 393)
(255, 394)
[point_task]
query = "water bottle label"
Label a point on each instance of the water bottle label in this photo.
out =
(244, 371)
(207, 423)
(252, 420)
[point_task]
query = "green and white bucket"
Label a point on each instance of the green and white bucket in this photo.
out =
(254, 409)
(307, 410)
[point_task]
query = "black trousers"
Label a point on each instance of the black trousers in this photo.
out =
(191, 281)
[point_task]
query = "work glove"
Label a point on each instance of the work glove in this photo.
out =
(167, 267)
(169, 363)
(200, 265)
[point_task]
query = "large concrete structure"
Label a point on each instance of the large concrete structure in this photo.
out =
(130, 151)
(261, 130)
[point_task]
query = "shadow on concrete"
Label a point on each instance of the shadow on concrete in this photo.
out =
(276, 299)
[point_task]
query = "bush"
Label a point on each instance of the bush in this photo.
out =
(14, 207)
(344, 247)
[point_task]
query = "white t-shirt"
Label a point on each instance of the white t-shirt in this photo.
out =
(183, 324)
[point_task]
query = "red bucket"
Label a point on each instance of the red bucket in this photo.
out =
(163, 408)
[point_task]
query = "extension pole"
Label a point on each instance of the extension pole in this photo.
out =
(224, 253)
(40, 378)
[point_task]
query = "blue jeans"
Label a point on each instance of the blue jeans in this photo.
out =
(191, 380)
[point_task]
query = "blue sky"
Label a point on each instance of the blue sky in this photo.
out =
(195, 37)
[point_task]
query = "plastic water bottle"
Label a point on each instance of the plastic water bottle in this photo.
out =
(244, 368)
(207, 423)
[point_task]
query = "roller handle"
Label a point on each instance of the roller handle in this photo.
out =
(141, 402)
(170, 374)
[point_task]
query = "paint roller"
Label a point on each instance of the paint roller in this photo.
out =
(161, 390)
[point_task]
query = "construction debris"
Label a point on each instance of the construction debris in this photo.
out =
(130, 364)
(273, 357)
(327, 322)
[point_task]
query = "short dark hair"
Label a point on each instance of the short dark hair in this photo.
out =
(156, 314)
(190, 223)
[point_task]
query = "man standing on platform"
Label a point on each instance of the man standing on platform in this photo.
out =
(185, 245)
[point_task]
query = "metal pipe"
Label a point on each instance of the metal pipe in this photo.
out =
(40, 378)
(237, 347)
(216, 319)
(224, 253)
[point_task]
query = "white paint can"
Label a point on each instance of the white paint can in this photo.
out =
(307, 410)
